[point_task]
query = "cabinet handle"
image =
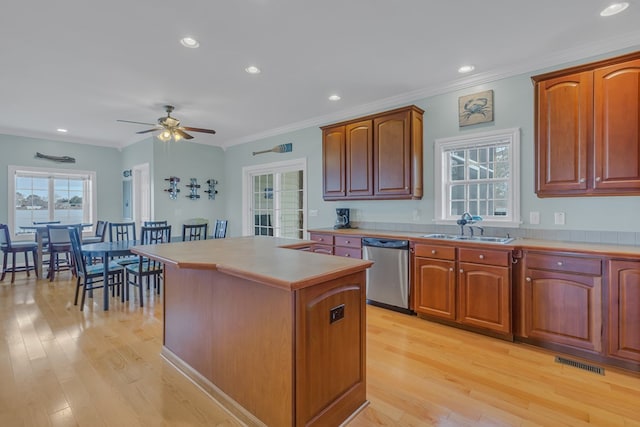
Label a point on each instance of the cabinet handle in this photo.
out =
(320, 239)
(528, 279)
(348, 241)
(347, 255)
(560, 263)
(598, 179)
(481, 256)
(450, 268)
(582, 180)
(433, 251)
(461, 271)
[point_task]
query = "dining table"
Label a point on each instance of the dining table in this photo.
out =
(41, 232)
(108, 250)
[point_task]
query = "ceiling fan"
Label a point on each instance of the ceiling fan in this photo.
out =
(170, 128)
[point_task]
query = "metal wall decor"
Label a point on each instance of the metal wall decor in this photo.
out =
(193, 187)
(59, 159)
(173, 189)
(211, 183)
(475, 108)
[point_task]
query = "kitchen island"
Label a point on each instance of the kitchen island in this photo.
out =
(276, 335)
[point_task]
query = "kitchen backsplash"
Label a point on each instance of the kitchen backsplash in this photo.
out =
(584, 236)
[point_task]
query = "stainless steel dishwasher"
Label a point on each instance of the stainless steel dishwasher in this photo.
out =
(388, 277)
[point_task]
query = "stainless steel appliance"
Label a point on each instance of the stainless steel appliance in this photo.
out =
(388, 277)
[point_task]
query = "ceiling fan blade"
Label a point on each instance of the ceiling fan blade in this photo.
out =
(183, 134)
(139, 123)
(211, 131)
(149, 130)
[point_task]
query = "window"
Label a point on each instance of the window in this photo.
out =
(479, 174)
(275, 200)
(43, 194)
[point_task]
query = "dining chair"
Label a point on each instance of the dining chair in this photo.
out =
(60, 244)
(99, 235)
(123, 231)
(146, 267)
(9, 247)
(194, 232)
(220, 230)
(91, 276)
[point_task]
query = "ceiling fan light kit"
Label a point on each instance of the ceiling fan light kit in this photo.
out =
(170, 128)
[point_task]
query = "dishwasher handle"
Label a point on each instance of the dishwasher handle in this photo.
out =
(385, 243)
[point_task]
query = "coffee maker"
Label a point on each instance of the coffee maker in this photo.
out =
(342, 218)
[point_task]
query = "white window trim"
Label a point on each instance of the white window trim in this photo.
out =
(482, 138)
(277, 167)
(11, 187)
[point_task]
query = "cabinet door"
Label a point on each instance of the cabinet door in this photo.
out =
(563, 308)
(564, 118)
(333, 162)
(624, 310)
(617, 127)
(359, 158)
(435, 286)
(484, 295)
(392, 154)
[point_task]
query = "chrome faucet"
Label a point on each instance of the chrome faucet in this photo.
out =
(467, 219)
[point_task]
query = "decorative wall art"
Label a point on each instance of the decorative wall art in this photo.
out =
(476, 108)
(173, 189)
(193, 188)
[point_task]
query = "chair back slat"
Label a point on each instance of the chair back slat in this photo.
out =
(155, 235)
(220, 230)
(194, 232)
(5, 236)
(122, 231)
(154, 223)
(76, 249)
(59, 234)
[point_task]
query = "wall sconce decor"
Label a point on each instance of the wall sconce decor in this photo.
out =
(193, 187)
(211, 183)
(173, 189)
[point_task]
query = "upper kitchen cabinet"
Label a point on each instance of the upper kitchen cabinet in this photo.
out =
(588, 129)
(374, 157)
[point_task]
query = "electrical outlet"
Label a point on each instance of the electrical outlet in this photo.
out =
(336, 313)
(534, 217)
(558, 218)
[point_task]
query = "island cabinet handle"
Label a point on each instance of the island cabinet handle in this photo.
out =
(560, 263)
(347, 255)
(528, 279)
(433, 252)
(461, 271)
(451, 269)
(320, 239)
(347, 241)
(598, 179)
(582, 180)
(481, 256)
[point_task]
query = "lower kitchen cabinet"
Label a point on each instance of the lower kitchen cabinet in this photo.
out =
(346, 246)
(624, 310)
(484, 289)
(562, 298)
(472, 289)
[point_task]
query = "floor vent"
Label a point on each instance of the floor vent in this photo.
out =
(580, 365)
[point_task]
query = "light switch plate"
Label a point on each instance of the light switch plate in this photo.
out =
(534, 217)
(559, 218)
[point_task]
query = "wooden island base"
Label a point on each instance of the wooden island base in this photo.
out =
(273, 355)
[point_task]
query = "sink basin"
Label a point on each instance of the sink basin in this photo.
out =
(485, 239)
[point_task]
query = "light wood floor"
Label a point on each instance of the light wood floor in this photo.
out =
(61, 367)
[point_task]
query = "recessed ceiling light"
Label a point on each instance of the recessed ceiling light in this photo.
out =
(62, 130)
(466, 69)
(189, 42)
(334, 98)
(614, 8)
(252, 69)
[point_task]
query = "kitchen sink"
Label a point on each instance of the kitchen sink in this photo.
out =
(485, 239)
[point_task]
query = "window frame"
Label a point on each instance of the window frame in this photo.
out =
(49, 172)
(475, 140)
(270, 168)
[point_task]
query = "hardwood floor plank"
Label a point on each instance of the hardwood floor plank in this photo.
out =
(63, 367)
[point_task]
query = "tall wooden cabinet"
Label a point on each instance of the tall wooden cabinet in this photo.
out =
(374, 157)
(588, 129)
(624, 310)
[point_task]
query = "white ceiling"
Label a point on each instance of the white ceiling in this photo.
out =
(82, 65)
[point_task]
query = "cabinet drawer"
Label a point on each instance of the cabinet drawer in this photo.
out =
(348, 241)
(485, 256)
(322, 249)
(347, 252)
(435, 251)
(564, 262)
(326, 239)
